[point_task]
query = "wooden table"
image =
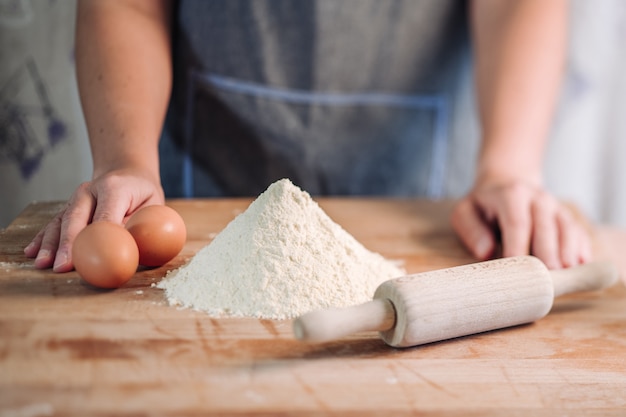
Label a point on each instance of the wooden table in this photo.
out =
(69, 349)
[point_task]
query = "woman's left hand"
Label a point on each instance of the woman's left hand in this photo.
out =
(517, 218)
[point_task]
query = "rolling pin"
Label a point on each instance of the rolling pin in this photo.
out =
(459, 301)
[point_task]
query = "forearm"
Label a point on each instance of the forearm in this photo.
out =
(124, 75)
(519, 49)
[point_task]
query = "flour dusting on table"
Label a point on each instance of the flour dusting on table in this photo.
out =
(280, 258)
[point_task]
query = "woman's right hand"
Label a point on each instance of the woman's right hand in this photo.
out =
(111, 197)
(124, 73)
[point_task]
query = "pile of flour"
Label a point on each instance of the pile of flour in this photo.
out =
(280, 258)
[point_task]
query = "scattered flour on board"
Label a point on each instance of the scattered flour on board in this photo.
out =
(280, 258)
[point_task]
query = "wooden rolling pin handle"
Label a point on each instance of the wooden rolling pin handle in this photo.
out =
(588, 277)
(380, 314)
(322, 325)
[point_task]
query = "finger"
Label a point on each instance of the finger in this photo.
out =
(111, 210)
(49, 241)
(515, 225)
(572, 240)
(545, 237)
(32, 248)
(477, 237)
(74, 219)
(586, 251)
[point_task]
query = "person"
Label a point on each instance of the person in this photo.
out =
(342, 97)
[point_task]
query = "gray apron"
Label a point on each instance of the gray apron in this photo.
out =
(344, 97)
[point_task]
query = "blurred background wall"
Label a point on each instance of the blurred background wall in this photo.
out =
(587, 153)
(44, 153)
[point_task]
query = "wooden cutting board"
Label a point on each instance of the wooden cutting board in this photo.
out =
(69, 349)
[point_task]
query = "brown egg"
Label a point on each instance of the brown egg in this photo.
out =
(105, 255)
(160, 234)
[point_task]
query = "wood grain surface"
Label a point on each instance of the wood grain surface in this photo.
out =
(68, 349)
